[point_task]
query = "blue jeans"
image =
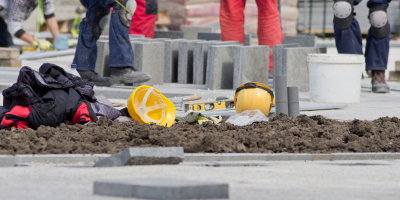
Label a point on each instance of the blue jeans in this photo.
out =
(350, 41)
(121, 53)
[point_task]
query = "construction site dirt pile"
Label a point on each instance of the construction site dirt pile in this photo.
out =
(301, 134)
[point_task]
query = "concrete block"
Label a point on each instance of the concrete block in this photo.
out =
(397, 66)
(185, 63)
(192, 31)
(161, 189)
(251, 64)
(220, 66)
(200, 56)
(143, 156)
(304, 41)
(295, 66)
(9, 53)
(394, 76)
(217, 36)
(171, 60)
(277, 57)
(149, 57)
(131, 36)
(10, 63)
(169, 34)
(106, 37)
(102, 60)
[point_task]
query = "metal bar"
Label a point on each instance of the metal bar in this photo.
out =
(310, 17)
(324, 21)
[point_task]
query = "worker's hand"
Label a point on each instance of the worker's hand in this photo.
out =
(43, 45)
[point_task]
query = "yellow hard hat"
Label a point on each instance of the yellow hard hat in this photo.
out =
(148, 105)
(253, 96)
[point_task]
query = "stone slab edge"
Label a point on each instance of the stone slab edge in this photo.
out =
(288, 157)
(10, 161)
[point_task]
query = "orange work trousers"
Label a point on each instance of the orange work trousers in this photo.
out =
(269, 27)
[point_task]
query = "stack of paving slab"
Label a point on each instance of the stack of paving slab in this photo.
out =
(9, 57)
(206, 60)
(204, 13)
(395, 75)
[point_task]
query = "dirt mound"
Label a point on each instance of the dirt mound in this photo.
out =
(301, 134)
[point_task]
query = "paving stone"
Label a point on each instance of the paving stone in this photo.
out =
(397, 66)
(169, 34)
(295, 66)
(10, 63)
(220, 67)
(277, 58)
(9, 53)
(192, 31)
(217, 36)
(106, 37)
(149, 57)
(171, 60)
(394, 76)
(304, 41)
(251, 64)
(200, 56)
(185, 63)
(102, 59)
(144, 156)
(161, 189)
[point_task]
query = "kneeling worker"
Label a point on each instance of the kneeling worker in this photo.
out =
(121, 54)
(15, 12)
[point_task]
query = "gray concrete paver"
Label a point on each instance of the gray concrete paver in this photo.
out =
(277, 180)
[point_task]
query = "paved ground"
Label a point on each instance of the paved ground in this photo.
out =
(268, 180)
(260, 180)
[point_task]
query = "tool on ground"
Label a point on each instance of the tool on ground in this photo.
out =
(221, 103)
(148, 105)
(253, 96)
(196, 117)
(191, 98)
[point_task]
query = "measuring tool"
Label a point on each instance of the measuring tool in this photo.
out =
(210, 105)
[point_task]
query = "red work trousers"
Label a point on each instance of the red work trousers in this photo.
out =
(144, 19)
(269, 26)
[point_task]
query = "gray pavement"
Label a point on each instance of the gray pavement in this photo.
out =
(259, 180)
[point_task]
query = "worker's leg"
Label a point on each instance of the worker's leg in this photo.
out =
(346, 29)
(232, 20)
(5, 37)
(144, 19)
(269, 26)
(86, 50)
(121, 54)
(377, 48)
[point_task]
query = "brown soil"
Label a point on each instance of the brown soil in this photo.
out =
(301, 134)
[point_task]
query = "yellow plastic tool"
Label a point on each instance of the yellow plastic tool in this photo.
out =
(148, 105)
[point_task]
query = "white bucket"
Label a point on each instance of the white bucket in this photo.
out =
(335, 78)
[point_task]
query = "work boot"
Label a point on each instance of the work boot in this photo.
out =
(378, 82)
(127, 75)
(95, 78)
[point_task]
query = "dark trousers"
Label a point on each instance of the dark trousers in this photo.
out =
(121, 53)
(5, 37)
(350, 41)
